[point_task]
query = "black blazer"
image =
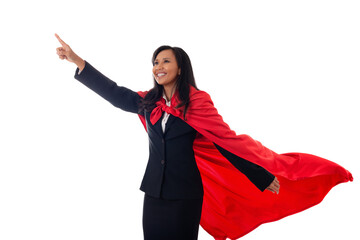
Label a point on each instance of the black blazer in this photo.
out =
(171, 171)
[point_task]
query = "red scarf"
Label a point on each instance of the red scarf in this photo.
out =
(232, 205)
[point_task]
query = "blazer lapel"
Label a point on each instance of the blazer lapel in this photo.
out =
(169, 122)
(156, 128)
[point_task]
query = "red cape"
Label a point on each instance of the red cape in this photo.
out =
(232, 205)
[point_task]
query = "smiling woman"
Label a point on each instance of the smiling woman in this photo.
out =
(166, 71)
(199, 170)
(176, 65)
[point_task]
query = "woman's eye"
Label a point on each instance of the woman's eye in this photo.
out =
(165, 61)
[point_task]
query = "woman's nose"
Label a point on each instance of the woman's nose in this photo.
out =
(159, 67)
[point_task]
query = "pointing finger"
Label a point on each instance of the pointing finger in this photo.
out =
(60, 40)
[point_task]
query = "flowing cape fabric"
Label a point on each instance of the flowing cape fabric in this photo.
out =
(232, 205)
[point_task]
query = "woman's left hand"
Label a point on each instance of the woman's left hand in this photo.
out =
(274, 186)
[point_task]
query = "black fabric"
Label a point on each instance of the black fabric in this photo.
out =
(118, 96)
(171, 219)
(259, 176)
(171, 171)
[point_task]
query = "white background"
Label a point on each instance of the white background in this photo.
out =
(71, 164)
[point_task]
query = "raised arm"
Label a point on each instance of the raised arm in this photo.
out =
(118, 96)
(85, 73)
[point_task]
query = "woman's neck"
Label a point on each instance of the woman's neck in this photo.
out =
(169, 91)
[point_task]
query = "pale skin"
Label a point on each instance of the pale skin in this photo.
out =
(165, 71)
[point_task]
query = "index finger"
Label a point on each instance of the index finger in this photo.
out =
(60, 40)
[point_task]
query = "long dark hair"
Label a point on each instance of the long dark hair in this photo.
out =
(185, 78)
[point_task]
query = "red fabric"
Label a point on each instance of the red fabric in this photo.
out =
(232, 205)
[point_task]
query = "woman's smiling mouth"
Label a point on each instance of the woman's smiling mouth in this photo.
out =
(161, 74)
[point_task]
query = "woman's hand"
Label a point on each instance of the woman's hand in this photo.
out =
(274, 186)
(65, 52)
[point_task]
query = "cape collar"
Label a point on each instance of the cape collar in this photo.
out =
(162, 106)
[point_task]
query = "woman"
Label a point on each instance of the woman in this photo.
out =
(180, 120)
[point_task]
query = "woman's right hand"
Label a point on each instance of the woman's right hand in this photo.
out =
(65, 52)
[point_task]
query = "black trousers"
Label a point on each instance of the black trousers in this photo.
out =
(171, 219)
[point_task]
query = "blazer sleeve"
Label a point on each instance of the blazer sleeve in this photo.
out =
(118, 96)
(259, 176)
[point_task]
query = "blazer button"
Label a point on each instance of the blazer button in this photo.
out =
(162, 140)
(162, 162)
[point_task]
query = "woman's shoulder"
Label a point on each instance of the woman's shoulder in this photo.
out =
(198, 93)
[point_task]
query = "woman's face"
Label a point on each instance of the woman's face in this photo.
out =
(166, 70)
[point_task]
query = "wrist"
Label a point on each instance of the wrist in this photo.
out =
(80, 63)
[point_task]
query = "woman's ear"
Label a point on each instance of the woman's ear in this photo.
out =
(179, 71)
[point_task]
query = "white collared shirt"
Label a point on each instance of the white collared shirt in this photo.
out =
(166, 115)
